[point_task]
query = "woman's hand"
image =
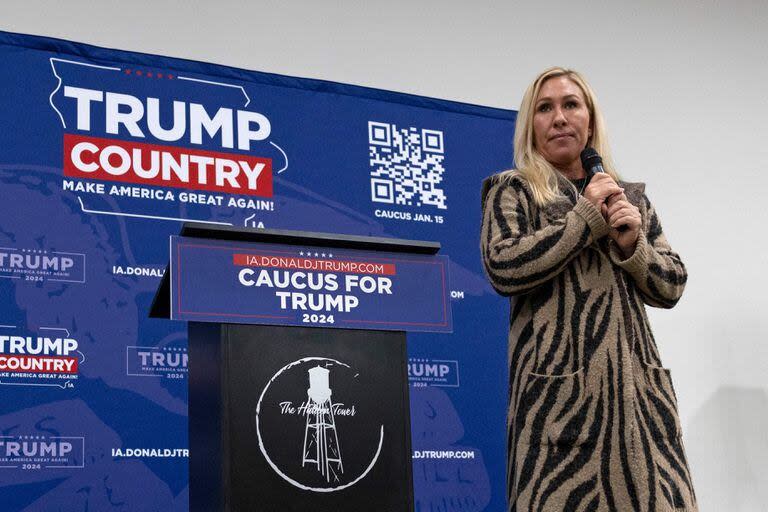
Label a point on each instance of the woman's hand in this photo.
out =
(600, 187)
(620, 212)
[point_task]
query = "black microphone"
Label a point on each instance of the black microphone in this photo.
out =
(592, 163)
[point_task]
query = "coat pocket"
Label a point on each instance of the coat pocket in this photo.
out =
(657, 400)
(554, 411)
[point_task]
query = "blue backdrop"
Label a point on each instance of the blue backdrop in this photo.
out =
(103, 153)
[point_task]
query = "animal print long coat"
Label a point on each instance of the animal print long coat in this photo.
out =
(592, 419)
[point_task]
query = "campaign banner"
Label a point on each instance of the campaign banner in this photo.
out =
(105, 154)
(48, 357)
(277, 284)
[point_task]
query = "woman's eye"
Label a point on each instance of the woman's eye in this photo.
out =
(571, 104)
(544, 107)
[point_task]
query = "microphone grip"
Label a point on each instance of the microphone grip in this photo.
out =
(621, 228)
(599, 168)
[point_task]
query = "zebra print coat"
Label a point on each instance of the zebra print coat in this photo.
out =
(592, 419)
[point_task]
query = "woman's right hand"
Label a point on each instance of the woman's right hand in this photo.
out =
(600, 187)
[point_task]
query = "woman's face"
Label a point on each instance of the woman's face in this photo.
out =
(561, 123)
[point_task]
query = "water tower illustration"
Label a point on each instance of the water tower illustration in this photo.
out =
(321, 441)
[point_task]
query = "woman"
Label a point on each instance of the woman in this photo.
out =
(592, 418)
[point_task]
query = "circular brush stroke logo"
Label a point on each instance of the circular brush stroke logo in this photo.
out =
(277, 469)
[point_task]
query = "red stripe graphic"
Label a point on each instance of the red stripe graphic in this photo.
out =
(166, 166)
(320, 265)
(38, 364)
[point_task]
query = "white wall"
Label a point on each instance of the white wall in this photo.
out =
(683, 86)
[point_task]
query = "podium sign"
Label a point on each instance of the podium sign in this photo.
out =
(277, 284)
(302, 418)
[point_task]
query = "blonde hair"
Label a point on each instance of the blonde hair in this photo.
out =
(541, 176)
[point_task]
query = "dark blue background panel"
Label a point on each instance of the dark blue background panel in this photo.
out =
(104, 153)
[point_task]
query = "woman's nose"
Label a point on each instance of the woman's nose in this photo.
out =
(560, 119)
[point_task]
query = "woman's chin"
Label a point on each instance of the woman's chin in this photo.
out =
(563, 160)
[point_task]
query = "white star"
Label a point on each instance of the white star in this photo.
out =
(301, 253)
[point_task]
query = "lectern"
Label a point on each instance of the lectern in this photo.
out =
(298, 386)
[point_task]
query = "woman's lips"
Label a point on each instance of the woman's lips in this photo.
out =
(560, 136)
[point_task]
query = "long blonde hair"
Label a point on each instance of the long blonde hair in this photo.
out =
(541, 176)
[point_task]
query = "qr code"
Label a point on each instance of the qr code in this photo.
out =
(406, 165)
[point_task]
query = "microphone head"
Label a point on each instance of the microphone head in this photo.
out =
(590, 159)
